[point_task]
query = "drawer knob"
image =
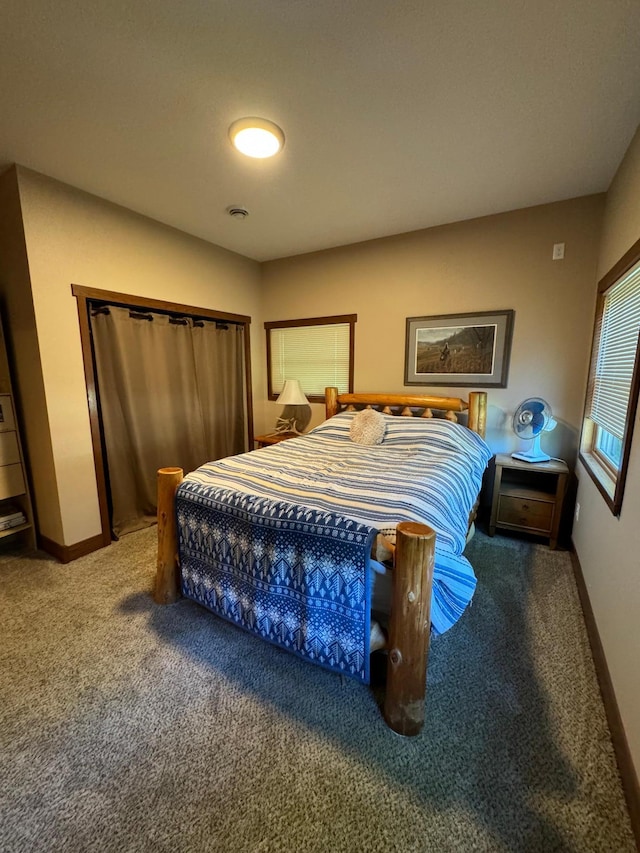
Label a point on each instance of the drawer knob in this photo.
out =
(525, 507)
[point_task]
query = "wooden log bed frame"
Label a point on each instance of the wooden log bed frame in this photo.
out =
(412, 576)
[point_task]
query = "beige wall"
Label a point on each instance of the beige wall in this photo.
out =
(22, 341)
(73, 237)
(609, 547)
(491, 263)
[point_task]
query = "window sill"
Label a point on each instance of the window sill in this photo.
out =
(601, 477)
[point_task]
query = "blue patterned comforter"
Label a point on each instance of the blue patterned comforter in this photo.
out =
(278, 540)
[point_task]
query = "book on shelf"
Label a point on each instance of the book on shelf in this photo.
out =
(15, 523)
(13, 513)
(11, 519)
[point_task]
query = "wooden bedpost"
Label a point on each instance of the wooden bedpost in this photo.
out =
(167, 587)
(478, 412)
(331, 402)
(409, 628)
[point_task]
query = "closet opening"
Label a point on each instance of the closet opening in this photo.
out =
(167, 385)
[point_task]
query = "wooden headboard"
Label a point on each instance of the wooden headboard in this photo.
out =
(405, 404)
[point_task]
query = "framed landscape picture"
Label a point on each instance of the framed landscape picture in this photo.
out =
(459, 349)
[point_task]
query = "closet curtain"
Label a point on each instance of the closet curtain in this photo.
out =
(171, 393)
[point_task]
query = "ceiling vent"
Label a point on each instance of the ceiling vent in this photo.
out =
(238, 212)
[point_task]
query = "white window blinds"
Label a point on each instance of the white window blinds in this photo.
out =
(614, 353)
(318, 356)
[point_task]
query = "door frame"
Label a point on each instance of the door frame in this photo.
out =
(85, 296)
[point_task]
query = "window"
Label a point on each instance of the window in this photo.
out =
(317, 351)
(614, 377)
(609, 448)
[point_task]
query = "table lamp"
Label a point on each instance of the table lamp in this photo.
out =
(297, 411)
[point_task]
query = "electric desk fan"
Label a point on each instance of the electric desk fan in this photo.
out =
(530, 420)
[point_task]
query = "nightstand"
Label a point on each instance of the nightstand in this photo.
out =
(273, 438)
(528, 496)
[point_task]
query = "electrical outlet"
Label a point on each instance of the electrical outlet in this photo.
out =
(577, 512)
(558, 251)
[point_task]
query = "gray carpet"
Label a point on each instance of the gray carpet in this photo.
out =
(127, 727)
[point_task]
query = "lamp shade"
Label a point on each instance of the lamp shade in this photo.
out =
(292, 394)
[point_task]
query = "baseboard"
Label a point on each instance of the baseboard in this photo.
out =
(67, 553)
(626, 768)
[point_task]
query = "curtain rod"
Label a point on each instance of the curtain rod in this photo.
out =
(98, 307)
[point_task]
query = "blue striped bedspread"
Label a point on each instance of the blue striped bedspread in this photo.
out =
(426, 470)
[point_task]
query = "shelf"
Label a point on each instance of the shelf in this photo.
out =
(522, 490)
(541, 481)
(17, 529)
(14, 486)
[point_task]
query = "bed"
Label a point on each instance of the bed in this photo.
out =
(294, 541)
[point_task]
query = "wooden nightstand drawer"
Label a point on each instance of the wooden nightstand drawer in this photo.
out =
(523, 512)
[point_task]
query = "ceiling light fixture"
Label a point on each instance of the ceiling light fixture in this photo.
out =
(256, 137)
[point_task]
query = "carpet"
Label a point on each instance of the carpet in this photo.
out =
(125, 726)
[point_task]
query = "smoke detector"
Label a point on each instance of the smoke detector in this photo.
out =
(238, 213)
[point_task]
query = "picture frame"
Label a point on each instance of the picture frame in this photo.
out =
(459, 349)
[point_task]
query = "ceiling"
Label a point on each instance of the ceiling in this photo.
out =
(398, 114)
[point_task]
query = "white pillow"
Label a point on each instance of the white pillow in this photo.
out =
(367, 427)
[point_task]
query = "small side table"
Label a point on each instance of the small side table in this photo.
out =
(273, 438)
(528, 496)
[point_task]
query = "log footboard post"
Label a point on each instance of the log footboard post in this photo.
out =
(167, 587)
(409, 628)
